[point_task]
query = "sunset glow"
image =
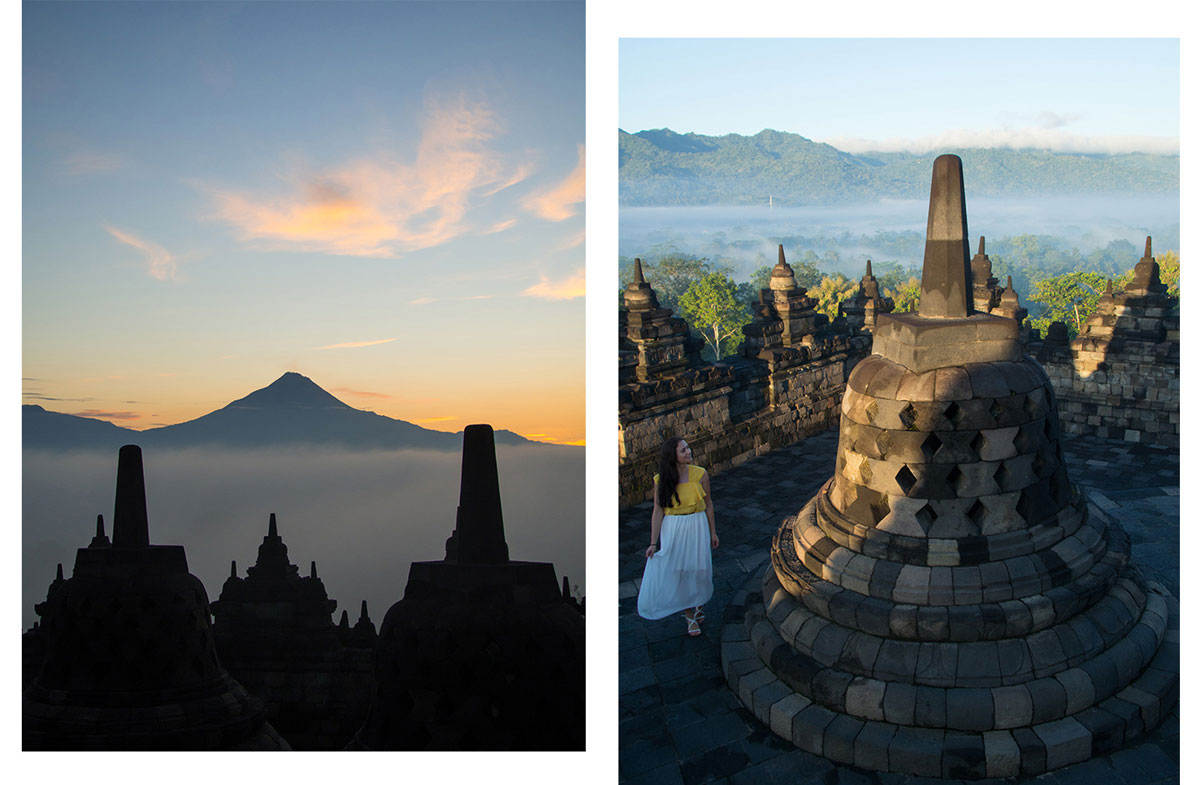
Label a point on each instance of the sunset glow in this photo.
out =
(208, 205)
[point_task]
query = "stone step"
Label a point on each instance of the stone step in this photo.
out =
(887, 745)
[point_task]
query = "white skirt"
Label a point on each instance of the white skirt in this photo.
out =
(679, 575)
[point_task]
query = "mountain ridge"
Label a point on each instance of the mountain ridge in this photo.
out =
(661, 167)
(292, 410)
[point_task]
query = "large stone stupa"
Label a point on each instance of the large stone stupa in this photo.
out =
(948, 604)
(129, 657)
(482, 652)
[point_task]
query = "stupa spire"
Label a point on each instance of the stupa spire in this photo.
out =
(131, 526)
(312, 570)
(480, 524)
(1147, 255)
(101, 539)
(58, 576)
(781, 261)
(869, 268)
(233, 569)
(945, 276)
(362, 614)
(638, 277)
(272, 528)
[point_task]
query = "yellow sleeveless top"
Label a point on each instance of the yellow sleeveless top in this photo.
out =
(690, 493)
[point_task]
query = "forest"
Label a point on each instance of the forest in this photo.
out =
(1055, 282)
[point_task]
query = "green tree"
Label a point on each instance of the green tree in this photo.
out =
(1069, 298)
(1168, 271)
(711, 307)
(906, 295)
(830, 292)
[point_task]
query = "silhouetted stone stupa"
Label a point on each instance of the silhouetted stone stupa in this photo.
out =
(482, 652)
(129, 659)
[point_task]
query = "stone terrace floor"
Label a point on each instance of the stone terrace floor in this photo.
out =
(679, 723)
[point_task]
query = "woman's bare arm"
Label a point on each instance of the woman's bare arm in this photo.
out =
(656, 519)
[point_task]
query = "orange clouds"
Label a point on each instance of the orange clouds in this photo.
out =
(380, 206)
(99, 415)
(160, 263)
(567, 289)
(559, 203)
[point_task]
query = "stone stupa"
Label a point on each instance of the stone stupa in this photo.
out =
(948, 604)
(129, 660)
(482, 652)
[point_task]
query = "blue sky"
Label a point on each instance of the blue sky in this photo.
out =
(386, 197)
(1092, 95)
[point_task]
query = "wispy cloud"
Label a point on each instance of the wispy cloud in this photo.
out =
(500, 226)
(40, 397)
(559, 203)
(566, 289)
(87, 163)
(380, 206)
(354, 344)
(160, 263)
(423, 301)
(1047, 136)
(102, 415)
(435, 419)
(361, 393)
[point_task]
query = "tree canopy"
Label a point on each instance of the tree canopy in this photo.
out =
(711, 307)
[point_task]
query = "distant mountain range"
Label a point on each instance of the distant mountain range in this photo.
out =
(291, 410)
(661, 167)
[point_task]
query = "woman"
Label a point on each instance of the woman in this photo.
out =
(683, 532)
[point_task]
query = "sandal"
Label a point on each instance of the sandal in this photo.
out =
(699, 614)
(693, 626)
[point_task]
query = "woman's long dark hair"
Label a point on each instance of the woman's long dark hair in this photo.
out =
(668, 473)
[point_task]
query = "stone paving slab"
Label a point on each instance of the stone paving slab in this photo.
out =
(679, 722)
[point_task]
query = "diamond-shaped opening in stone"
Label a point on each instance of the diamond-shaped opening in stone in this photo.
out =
(880, 508)
(1038, 464)
(926, 516)
(997, 410)
(1031, 405)
(955, 479)
(954, 413)
(1002, 476)
(979, 443)
(883, 443)
(864, 471)
(1024, 442)
(905, 478)
(977, 513)
(908, 416)
(930, 446)
(1025, 506)
(872, 411)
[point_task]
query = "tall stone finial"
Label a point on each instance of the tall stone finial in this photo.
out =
(362, 614)
(312, 570)
(272, 528)
(233, 569)
(869, 275)
(1108, 288)
(480, 524)
(344, 624)
(981, 251)
(58, 576)
(1147, 255)
(101, 539)
(131, 525)
(639, 296)
(945, 276)
(566, 590)
(1009, 284)
(781, 261)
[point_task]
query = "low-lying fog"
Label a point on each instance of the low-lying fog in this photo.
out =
(362, 516)
(741, 234)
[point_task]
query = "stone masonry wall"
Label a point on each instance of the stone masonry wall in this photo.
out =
(1134, 398)
(730, 411)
